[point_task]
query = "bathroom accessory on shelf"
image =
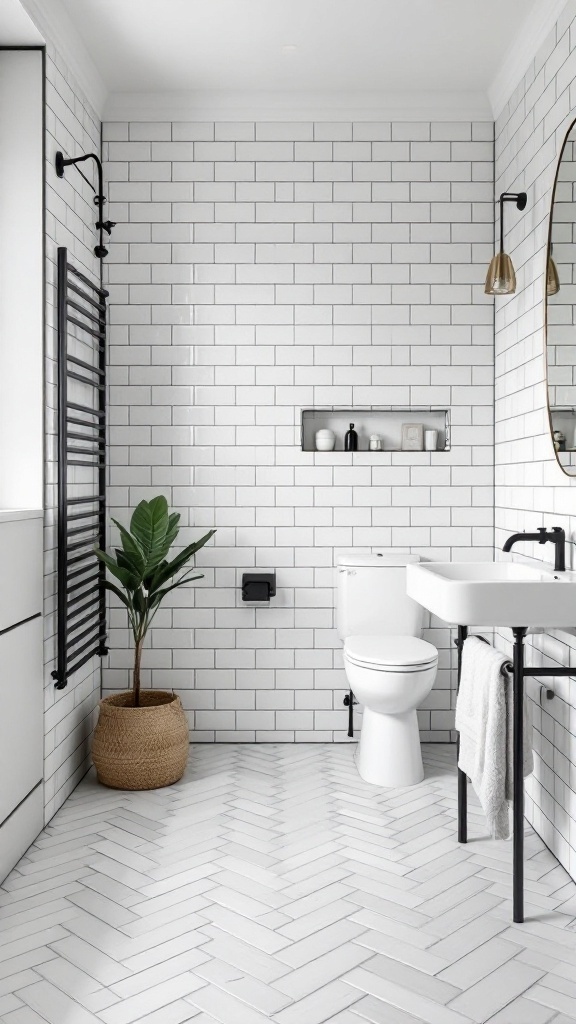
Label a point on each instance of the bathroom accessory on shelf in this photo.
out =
(351, 440)
(258, 587)
(375, 443)
(559, 440)
(325, 440)
(412, 437)
(430, 440)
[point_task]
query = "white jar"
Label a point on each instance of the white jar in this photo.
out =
(430, 440)
(325, 440)
(375, 444)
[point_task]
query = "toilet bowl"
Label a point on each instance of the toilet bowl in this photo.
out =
(389, 668)
(390, 676)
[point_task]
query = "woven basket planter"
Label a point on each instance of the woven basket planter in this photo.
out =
(144, 747)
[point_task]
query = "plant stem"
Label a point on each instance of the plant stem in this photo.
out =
(136, 678)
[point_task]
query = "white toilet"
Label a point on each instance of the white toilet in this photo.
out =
(390, 669)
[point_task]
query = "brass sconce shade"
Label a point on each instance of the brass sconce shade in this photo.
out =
(501, 279)
(552, 279)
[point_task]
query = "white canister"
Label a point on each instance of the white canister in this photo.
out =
(375, 443)
(325, 440)
(430, 440)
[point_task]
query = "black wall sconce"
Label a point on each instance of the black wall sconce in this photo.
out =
(99, 199)
(501, 279)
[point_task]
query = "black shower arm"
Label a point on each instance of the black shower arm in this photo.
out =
(99, 197)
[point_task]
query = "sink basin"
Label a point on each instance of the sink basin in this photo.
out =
(494, 593)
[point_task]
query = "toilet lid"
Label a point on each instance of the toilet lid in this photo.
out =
(389, 651)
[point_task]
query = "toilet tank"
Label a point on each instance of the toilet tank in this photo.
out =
(371, 596)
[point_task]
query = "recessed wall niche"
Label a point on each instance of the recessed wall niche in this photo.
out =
(387, 423)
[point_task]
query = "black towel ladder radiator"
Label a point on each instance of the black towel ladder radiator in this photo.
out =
(81, 328)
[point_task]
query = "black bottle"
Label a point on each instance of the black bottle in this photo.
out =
(351, 440)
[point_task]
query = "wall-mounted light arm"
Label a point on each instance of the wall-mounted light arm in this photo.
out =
(520, 198)
(501, 279)
(99, 198)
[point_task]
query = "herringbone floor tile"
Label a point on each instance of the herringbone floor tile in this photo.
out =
(272, 884)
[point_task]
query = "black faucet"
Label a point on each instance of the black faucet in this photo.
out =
(556, 536)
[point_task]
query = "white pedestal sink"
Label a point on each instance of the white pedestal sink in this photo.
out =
(499, 594)
(494, 593)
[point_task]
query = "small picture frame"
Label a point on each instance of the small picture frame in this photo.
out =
(412, 437)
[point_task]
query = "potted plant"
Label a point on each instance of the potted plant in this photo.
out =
(141, 739)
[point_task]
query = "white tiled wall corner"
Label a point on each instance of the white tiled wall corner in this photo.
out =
(531, 490)
(256, 269)
(71, 126)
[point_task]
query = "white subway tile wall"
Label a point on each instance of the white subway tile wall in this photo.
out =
(531, 490)
(73, 127)
(257, 269)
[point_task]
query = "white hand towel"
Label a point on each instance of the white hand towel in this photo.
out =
(484, 719)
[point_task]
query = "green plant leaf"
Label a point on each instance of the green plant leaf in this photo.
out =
(139, 602)
(131, 547)
(161, 594)
(126, 577)
(125, 561)
(119, 594)
(149, 525)
(173, 528)
(165, 571)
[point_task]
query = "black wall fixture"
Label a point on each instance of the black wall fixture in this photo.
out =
(81, 469)
(61, 162)
(258, 586)
(501, 277)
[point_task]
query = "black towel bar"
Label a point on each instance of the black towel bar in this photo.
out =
(81, 593)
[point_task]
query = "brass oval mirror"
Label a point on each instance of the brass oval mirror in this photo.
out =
(560, 320)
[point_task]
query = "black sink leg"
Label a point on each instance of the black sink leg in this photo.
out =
(519, 633)
(462, 777)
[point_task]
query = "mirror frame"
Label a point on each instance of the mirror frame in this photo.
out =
(571, 476)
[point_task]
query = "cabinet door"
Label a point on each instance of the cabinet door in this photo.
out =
(21, 714)
(21, 561)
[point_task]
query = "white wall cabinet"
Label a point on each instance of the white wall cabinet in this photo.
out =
(21, 727)
(21, 686)
(21, 560)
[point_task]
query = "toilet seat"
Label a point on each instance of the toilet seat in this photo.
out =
(390, 653)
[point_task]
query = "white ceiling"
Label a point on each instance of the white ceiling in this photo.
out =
(16, 27)
(339, 45)
(356, 52)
